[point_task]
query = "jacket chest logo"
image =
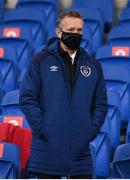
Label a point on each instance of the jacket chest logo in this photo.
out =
(54, 68)
(85, 71)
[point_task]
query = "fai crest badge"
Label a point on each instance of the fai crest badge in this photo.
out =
(85, 71)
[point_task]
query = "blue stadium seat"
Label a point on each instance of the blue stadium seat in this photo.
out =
(116, 71)
(120, 36)
(121, 162)
(10, 103)
(9, 161)
(23, 50)
(107, 13)
(56, 2)
(93, 22)
(114, 115)
(114, 99)
(28, 19)
(106, 127)
(21, 40)
(9, 70)
(11, 31)
(48, 7)
(11, 111)
(2, 9)
(87, 41)
(100, 148)
(128, 3)
(2, 4)
(112, 120)
(125, 16)
(114, 112)
(21, 77)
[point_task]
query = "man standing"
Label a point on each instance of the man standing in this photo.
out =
(63, 97)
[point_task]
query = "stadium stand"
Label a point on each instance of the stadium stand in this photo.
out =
(26, 29)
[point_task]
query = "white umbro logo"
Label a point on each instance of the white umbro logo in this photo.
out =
(54, 68)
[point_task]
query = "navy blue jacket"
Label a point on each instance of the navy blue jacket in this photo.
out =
(63, 122)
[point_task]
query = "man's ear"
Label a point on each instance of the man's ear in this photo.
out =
(58, 32)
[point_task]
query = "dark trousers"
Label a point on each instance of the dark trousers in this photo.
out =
(46, 176)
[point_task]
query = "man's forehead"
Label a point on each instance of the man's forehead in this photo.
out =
(72, 21)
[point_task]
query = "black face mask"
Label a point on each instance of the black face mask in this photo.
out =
(71, 40)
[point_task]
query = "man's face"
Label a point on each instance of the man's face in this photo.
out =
(70, 24)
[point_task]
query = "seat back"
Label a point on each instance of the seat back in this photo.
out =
(125, 17)
(19, 136)
(9, 161)
(2, 4)
(11, 110)
(128, 4)
(116, 73)
(101, 151)
(107, 13)
(35, 21)
(121, 162)
(48, 7)
(9, 70)
(120, 36)
(87, 41)
(115, 122)
(23, 50)
(114, 98)
(10, 103)
(106, 127)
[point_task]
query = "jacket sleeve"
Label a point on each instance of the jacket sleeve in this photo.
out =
(30, 95)
(99, 105)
